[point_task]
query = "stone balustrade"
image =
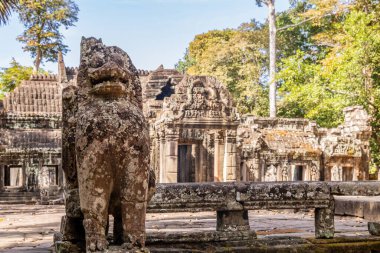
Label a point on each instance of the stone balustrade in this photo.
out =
(232, 201)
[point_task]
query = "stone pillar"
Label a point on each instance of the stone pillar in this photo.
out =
(232, 221)
(196, 160)
(218, 157)
(171, 156)
(356, 170)
(2, 168)
(24, 176)
(162, 159)
(230, 168)
(60, 175)
(203, 161)
(324, 222)
(210, 157)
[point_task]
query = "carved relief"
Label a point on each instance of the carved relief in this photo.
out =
(285, 173)
(200, 97)
(271, 174)
(191, 134)
(314, 173)
(344, 147)
(336, 173)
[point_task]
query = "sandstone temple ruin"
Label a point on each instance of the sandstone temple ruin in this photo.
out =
(196, 134)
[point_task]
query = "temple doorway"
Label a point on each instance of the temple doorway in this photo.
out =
(13, 176)
(348, 173)
(186, 164)
(298, 173)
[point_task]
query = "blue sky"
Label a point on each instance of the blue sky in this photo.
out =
(152, 32)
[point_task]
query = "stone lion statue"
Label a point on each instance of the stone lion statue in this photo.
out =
(111, 147)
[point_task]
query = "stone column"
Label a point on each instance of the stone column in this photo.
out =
(324, 222)
(24, 176)
(244, 171)
(356, 170)
(162, 159)
(203, 161)
(218, 157)
(229, 168)
(171, 156)
(195, 158)
(60, 175)
(2, 168)
(210, 158)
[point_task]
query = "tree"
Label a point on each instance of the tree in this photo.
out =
(11, 77)
(6, 8)
(184, 64)
(345, 72)
(272, 54)
(235, 57)
(42, 20)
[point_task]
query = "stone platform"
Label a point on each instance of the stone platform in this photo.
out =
(30, 229)
(367, 207)
(283, 244)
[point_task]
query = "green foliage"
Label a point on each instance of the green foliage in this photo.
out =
(184, 64)
(342, 70)
(11, 77)
(237, 58)
(42, 20)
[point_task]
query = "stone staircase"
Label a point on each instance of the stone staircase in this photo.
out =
(16, 197)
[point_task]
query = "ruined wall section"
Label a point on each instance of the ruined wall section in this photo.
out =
(278, 149)
(30, 131)
(39, 96)
(156, 85)
(194, 138)
(346, 148)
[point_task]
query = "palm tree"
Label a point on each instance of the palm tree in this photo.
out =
(6, 7)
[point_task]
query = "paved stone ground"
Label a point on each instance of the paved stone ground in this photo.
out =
(30, 228)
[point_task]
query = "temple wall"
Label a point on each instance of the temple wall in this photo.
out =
(194, 125)
(30, 135)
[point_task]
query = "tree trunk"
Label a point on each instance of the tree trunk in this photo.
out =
(37, 62)
(272, 58)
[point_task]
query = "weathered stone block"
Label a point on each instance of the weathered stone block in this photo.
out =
(72, 229)
(232, 221)
(72, 203)
(359, 206)
(67, 247)
(374, 228)
(324, 222)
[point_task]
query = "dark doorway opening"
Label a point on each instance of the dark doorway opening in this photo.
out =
(348, 174)
(298, 173)
(186, 166)
(12, 176)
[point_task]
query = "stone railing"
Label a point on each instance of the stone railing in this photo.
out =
(232, 201)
